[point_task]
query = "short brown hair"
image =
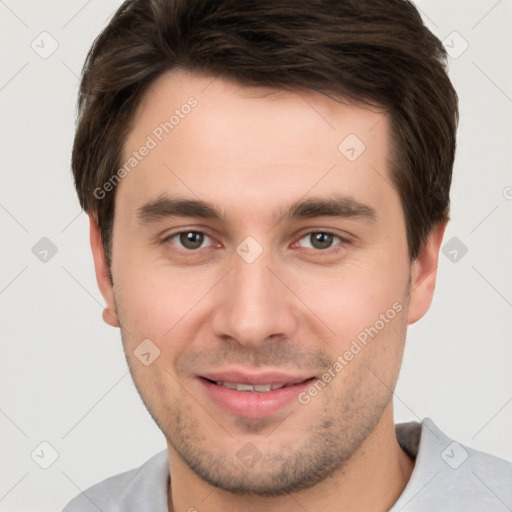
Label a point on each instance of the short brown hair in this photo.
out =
(376, 52)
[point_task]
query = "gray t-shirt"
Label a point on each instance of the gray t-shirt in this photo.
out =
(447, 477)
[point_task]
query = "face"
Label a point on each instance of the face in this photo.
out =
(266, 266)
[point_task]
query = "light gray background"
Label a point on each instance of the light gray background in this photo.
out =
(64, 379)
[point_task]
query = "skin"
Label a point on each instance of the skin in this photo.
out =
(251, 152)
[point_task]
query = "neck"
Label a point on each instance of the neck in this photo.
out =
(372, 480)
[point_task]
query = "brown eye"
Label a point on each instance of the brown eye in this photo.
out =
(189, 240)
(319, 240)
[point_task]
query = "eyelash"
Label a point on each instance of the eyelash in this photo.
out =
(333, 249)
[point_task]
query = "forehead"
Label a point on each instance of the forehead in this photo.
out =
(223, 103)
(223, 142)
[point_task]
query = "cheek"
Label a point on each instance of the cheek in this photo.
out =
(347, 300)
(367, 348)
(156, 300)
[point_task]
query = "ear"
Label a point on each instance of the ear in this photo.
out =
(424, 274)
(102, 274)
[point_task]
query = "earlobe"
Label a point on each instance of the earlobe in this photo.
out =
(424, 274)
(102, 273)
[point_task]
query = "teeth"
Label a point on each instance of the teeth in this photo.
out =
(244, 387)
(261, 388)
(227, 385)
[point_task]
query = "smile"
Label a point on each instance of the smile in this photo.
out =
(252, 395)
(260, 388)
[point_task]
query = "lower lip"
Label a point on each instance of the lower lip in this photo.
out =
(253, 404)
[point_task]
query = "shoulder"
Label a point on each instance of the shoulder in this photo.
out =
(451, 476)
(491, 475)
(142, 488)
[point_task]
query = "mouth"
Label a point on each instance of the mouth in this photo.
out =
(259, 388)
(253, 396)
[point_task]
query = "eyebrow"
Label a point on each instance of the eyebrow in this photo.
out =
(336, 206)
(164, 207)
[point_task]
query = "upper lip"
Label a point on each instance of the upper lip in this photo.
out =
(254, 379)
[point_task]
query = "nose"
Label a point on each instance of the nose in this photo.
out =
(254, 304)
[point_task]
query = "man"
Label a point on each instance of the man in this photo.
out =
(268, 186)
